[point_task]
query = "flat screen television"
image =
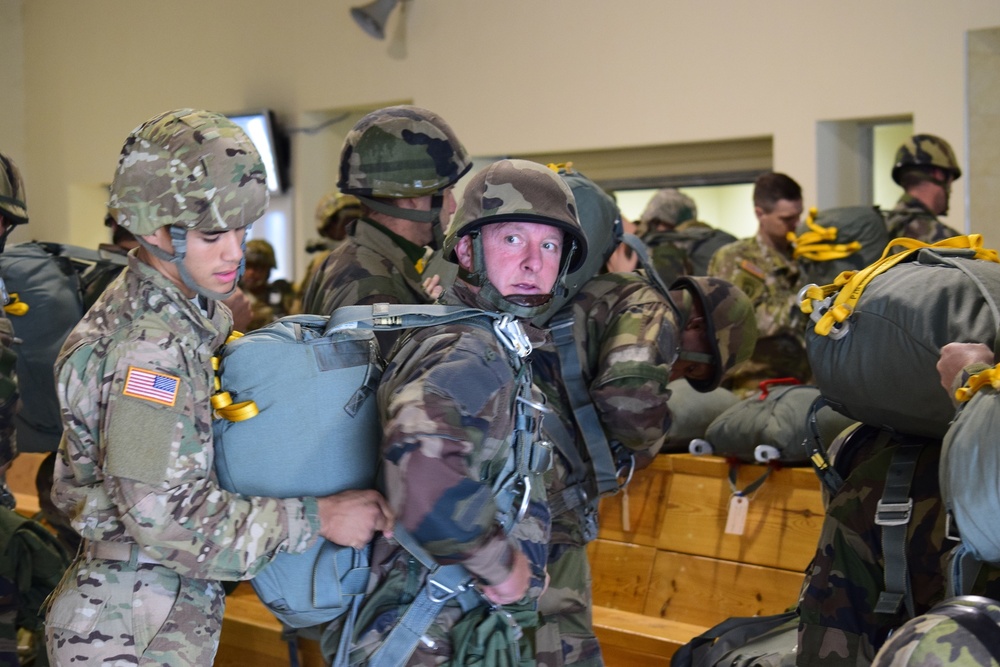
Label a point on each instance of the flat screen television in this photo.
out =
(260, 126)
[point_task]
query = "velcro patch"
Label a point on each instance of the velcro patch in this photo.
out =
(151, 386)
(753, 269)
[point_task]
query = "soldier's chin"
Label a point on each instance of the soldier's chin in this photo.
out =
(529, 300)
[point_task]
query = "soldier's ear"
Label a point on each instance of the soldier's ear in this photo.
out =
(463, 253)
(161, 239)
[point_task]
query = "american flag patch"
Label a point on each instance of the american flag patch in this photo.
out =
(151, 386)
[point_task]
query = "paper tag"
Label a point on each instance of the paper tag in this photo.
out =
(626, 519)
(737, 519)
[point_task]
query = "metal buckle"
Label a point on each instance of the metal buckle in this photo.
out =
(631, 471)
(949, 524)
(449, 593)
(525, 499)
(512, 335)
(893, 514)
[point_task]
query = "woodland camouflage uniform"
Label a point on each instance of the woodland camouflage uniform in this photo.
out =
(922, 154)
(772, 281)
(134, 471)
(911, 218)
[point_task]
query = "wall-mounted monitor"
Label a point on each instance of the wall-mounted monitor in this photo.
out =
(260, 126)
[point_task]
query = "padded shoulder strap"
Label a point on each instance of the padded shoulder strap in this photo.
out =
(894, 512)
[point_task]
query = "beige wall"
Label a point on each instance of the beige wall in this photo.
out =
(511, 76)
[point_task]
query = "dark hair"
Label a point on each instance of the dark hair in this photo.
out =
(769, 188)
(910, 177)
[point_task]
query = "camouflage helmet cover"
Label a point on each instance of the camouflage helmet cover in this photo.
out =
(190, 168)
(518, 191)
(963, 631)
(925, 150)
(13, 207)
(260, 253)
(330, 205)
(401, 151)
(669, 206)
(731, 323)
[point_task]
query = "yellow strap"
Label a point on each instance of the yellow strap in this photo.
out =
(990, 377)
(223, 405)
(15, 306)
(817, 244)
(848, 295)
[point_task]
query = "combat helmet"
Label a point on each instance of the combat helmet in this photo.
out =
(517, 191)
(12, 200)
(260, 253)
(962, 631)
(668, 206)
(731, 324)
(187, 169)
(602, 225)
(333, 208)
(402, 151)
(925, 151)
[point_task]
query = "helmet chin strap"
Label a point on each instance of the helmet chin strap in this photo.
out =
(433, 215)
(178, 239)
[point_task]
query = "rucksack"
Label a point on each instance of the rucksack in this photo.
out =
(47, 283)
(835, 240)
(970, 468)
(876, 335)
(685, 250)
(751, 641)
(324, 395)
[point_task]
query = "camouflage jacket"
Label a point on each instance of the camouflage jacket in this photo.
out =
(626, 336)
(910, 218)
(446, 404)
(8, 391)
(367, 268)
(135, 463)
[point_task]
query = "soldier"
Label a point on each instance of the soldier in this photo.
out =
(268, 300)
(335, 214)
(402, 163)
(665, 210)
(925, 168)
(134, 379)
(764, 269)
(449, 401)
(630, 341)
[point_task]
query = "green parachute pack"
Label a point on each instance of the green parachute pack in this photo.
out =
(835, 240)
(875, 335)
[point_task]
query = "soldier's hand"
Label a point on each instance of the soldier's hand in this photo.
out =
(352, 518)
(239, 303)
(432, 286)
(514, 587)
(956, 356)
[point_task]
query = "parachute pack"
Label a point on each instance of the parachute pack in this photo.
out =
(313, 430)
(685, 250)
(876, 334)
(48, 285)
(835, 240)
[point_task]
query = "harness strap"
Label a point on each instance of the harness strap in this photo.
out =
(895, 509)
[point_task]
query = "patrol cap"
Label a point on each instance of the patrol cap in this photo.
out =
(669, 206)
(401, 151)
(13, 207)
(190, 168)
(519, 191)
(925, 150)
(962, 631)
(730, 320)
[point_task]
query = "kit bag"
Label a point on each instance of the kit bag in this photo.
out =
(753, 641)
(46, 284)
(691, 412)
(875, 335)
(835, 240)
(312, 429)
(970, 468)
(773, 425)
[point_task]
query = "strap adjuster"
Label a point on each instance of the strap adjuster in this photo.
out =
(446, 592)
(893, 514)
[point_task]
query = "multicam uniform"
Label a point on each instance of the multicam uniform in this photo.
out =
(772, 282)
(627, 335)
(135, 476)
(911, 218)
(446, 402)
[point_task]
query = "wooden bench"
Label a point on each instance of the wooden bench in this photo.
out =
(666, 577)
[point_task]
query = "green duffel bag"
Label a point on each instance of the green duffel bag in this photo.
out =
(876, 336)
(970, 467)
(835, 240)
(691, 411)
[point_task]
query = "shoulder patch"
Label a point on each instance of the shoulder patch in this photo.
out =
(753, 269)
(151, 386)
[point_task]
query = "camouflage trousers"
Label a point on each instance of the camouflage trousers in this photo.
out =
(838, 623)
(566, 634)
(114, 614)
